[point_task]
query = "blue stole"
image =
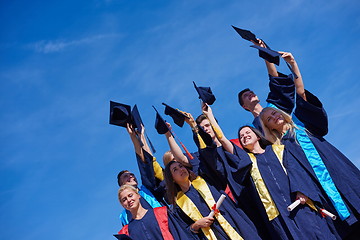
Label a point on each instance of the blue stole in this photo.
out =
(321, 172)
(145, 194)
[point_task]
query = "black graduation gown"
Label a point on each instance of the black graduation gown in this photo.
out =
(152, 185)
(343, 172)
(235, 216)
(148, 228)
(148, 179)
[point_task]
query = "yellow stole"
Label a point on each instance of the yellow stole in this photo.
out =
(158, 171)
(190, 209)
(269, 205)
(279, 152)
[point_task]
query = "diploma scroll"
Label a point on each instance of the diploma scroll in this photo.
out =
(327, 213)
(218, 204)
(293, 205)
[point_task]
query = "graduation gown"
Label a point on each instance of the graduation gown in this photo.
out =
(235, 217)
(281, 95)
(157, 223)
(311, 116)
(152, 191)
(286, 225)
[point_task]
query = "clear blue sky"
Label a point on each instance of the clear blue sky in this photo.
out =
(63, 61)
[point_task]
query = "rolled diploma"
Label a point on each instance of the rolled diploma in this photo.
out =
(293, 205)
(218, 204)
(329, 214)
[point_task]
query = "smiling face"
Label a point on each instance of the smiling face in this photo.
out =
(273, 119)
(248, 138)
(129, 199)
(128, 178)
(249, 98)
(205, 124)
(179, 173)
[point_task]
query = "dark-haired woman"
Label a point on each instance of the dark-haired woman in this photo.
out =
(194, 199)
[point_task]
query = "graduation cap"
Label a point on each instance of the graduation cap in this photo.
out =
(160, 124)
(120, 114)
(205, 94)
(272, 56)
(138, 123)
(268, 54)
(122, 237)
(246, 34)
(177, 116)
(163, 128)
(136, 119)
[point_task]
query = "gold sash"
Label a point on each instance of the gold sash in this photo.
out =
(190, 209)
(269, 205)
(279, 151)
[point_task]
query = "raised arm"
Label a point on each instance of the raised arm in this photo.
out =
(299, 84)
(227, 145)
(144, 140)
(270, 66)
(175, 148)
(137, 145)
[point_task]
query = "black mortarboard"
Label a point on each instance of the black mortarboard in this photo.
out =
(138, 123)
(122, 237)
(160, 124)
(177, 116)
(246, 34)
(272, 56)
(205, 94)
(268, 54)
(136, 119)
(120, 114)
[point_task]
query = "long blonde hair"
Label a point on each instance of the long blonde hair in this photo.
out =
(273, 135)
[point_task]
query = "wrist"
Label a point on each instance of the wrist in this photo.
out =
(194, 230)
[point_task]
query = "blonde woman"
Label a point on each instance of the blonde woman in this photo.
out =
(302, 135)
(152, 223)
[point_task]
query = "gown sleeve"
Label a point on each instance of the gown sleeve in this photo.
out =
(282, 92)
(312, 114)
(148, 179)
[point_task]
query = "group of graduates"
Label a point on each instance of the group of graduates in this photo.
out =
(279, 180)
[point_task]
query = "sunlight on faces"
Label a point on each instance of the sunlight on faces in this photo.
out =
(205, 124)
(273, 119)
(128, 178)
(179, 173)
(248, 138)
(248, 98)
(129, 198)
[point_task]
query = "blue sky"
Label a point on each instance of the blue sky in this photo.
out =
(63, 61)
